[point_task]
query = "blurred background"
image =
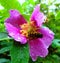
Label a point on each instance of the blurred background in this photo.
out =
(51, 8)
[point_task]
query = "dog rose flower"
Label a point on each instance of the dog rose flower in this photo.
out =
(38, 37)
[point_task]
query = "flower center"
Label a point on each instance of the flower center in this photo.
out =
(30, 30)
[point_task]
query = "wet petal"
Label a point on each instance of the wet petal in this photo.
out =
(37, 16)
(14, 33)
(48, 36)
(37, 48)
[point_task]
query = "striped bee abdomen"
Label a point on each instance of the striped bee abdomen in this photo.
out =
(35, 35)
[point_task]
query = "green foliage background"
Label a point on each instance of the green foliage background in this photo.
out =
(51, 9)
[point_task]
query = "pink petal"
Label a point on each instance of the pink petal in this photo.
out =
(48, 36)
(15, 18)
(37, 16)
(14, 33)
(37, 48)
(13, 26)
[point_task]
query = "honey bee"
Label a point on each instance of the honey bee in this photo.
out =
(35, 35)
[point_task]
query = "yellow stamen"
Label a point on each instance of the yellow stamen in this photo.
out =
(28, 28)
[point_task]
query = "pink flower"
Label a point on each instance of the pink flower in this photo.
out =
(38, 37)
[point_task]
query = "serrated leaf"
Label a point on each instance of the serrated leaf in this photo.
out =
(19, 53)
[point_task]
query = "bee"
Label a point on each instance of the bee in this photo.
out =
(35, 35)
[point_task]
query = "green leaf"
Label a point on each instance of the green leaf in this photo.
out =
(5, 49)
(11, 4)
(2, 60)
(19, 53)
(27, 17)
(56, 43)
(4, 36)
(53, 58)
(58, 15)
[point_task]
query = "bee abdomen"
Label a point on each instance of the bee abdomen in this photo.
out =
(35, 35)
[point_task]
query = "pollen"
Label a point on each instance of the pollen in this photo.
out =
(24, 26)
(28, 28)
